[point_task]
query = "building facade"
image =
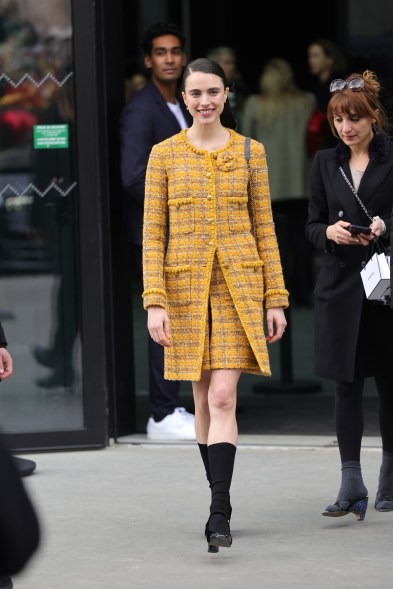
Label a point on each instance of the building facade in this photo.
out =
(67, 301)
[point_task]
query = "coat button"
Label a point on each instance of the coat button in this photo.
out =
(210, 243)
(208, 174)
(209, 196)
(340, 213)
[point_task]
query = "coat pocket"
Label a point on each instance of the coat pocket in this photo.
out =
(253, 272)
(178, 285)
(181, 215)
(238, 216)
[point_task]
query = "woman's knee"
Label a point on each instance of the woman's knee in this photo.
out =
(222, 397)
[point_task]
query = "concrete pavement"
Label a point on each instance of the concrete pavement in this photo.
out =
(132, 516)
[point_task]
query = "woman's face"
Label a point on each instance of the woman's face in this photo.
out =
(353, 129)
(205, 96)
(318, 61)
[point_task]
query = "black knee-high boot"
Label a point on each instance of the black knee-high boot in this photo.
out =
(205, 460)
(221, 462)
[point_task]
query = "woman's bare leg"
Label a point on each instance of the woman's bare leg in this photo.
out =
(222, 398)
(200, 391)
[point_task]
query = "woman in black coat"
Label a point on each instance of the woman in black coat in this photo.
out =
(353, 334)
(19, 525)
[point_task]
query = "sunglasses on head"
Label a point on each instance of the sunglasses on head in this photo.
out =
(339, 85)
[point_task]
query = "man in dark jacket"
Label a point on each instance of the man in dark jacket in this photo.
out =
(152, 115)
(19, 526)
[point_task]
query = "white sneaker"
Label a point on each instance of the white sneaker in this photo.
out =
(179, 425)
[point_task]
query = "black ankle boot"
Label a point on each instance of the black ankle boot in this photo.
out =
(221, 462)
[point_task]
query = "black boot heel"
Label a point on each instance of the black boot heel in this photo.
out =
(210, 547)
(220, 537)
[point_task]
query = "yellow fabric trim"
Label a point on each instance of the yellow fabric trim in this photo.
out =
(241, 199)
(174, 269)
(256, 264)
(150, 291)
(276, 291)
(180, 201)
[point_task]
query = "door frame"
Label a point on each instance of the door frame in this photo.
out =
(91, 184)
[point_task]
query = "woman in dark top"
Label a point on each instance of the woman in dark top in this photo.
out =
(353, 334)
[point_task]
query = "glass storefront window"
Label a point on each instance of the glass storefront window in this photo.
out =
(39, 225)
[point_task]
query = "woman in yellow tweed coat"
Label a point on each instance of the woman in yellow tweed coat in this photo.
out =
(206, 282)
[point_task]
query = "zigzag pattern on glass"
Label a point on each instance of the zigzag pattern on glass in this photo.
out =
(29, 78)
(33, 188)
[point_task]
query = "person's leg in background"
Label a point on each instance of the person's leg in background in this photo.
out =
(167, 421)
(58, 356)
(352, 496)
(384, 497)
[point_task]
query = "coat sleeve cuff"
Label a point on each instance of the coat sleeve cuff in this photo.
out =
(276, 298)
(154, 297)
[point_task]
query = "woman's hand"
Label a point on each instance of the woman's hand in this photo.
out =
(378, 227)
(5, 364)
(276, 324)
(158, 326)
(340, 235)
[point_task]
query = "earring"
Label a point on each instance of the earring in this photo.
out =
(374, 128)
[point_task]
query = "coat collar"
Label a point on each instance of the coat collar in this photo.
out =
(379, 149)
(161, 103)
(381, 163)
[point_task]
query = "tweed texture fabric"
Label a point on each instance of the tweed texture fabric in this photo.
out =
(203, 196)
(223, 325)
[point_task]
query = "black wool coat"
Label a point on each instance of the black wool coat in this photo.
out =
(339, 294)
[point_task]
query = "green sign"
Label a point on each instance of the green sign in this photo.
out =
(50, 136)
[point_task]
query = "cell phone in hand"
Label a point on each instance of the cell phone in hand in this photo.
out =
(356, 229)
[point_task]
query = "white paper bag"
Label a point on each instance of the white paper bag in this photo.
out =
(376, 277)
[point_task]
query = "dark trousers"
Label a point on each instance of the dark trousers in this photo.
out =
(163, 394)
(349, 415)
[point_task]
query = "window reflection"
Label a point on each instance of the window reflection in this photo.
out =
(39, 276)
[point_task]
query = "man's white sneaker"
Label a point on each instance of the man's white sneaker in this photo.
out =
(179, 425)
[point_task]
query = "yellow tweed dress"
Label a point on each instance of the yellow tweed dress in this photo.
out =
(211, 278)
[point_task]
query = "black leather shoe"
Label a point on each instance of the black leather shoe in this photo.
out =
(44, 356)
(24, 466)
(56, 380)
(6, 583)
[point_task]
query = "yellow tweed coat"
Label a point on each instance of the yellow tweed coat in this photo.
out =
(203, 196)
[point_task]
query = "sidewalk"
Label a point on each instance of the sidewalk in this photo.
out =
(132, 516)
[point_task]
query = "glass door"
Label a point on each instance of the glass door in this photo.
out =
(45, 293)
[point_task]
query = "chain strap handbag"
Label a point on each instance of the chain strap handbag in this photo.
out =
(355, 193)
(375, 274)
